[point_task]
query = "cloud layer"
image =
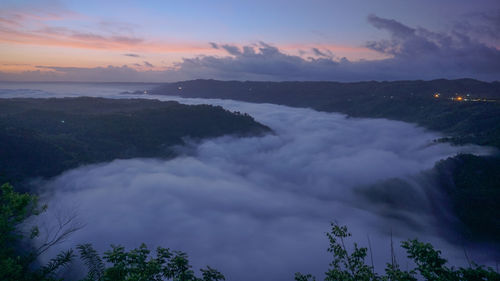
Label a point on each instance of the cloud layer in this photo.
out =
(257, 208)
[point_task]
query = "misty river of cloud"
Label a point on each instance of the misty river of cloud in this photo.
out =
(257, 208)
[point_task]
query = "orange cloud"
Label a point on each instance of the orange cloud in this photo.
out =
(73, 39)
(26, 13)
(34, 26)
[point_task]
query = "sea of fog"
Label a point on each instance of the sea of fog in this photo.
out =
(258, 208)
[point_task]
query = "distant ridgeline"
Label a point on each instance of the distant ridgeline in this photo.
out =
(466, 110)
(44, 137)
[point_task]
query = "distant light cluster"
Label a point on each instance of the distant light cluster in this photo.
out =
(465, 98)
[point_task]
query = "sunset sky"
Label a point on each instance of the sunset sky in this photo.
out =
(155, 41)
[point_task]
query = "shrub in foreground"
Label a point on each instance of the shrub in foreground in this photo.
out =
(18, 262)
(430, 266)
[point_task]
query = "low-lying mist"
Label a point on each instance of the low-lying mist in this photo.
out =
(258, 208)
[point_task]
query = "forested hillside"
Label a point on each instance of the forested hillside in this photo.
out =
(44, 137)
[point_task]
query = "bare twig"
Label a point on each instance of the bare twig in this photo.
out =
(392, 252)
(347, 256)
(64, 228)
(466, 256)
(371, 253)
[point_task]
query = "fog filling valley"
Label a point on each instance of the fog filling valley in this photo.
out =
(258, 208)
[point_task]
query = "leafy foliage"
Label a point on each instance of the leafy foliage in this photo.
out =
(139, 265)
(346, 266)
(430, 266)
(93, 261)
(16, 263)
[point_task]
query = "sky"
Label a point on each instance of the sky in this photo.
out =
(162, 41)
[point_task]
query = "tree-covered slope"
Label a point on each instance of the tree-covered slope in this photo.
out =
(472, 183)
(43, 137)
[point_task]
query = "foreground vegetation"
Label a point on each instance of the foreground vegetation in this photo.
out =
(44, 137)
(430, 266)
(18, 263)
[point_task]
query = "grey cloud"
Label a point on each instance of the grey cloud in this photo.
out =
(324, 53)
(214, 45)
(115, 27)
(132, 55)
(415, 53)
(11, 20)
(484, 26)
(257, 208)
(87, 36)
(396, 28)
(148, 64)
(99, 39)
(126, 39)
(233, 50)
(482, 23)
(263, 62)
(491, 21)
(421, 51)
